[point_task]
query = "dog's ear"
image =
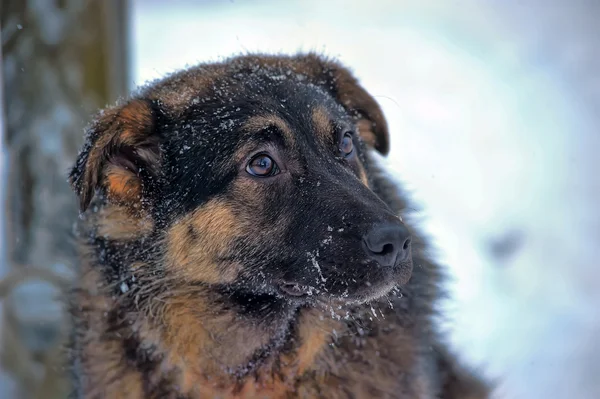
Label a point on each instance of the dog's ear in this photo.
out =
(120, 157)
(340, 82)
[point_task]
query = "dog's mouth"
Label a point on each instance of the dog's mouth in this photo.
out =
(295, 290)
(372, 292)
(308, 294)
(343, 288)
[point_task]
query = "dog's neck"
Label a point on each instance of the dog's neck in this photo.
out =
(219, 347)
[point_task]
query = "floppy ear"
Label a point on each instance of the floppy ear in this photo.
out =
(345, 88)
(120, 157)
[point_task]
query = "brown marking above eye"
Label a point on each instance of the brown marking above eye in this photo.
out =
(322, 126)
(261, 123)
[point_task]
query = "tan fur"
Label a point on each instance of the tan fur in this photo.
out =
(117, 223)
(122, 185)
(136, 119)
(366, 132)
(322, 125)
(362, 174)
(102, 356)
(258, 123)
(194, 338)
(217, 226)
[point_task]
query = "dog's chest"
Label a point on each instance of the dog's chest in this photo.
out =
(385, 363)
(388, 365)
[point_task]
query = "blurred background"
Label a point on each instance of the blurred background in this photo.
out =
(494, 108)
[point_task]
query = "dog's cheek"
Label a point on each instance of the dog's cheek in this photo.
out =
(260, 205)
(197, 243)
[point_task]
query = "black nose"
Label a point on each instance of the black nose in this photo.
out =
(388, 244)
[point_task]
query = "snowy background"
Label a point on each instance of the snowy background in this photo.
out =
(492, 111)
(494, 108)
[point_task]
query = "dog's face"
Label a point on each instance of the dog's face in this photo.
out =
(255, 184)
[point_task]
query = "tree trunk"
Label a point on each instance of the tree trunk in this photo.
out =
(61, 61)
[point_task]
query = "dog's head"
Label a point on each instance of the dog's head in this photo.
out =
(252, 176)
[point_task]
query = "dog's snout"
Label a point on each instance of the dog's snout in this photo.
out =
(388, 244)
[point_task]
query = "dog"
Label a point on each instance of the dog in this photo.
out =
(238, 240)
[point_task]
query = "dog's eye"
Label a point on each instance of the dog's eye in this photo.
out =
(262, 166)
(346, 145)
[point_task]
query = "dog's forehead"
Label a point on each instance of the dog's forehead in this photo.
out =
(280, 93)
(243, 106)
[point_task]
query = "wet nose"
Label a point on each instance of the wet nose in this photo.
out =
(388, 244)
